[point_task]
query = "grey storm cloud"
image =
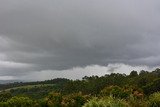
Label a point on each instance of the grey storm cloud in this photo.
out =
(39, 35)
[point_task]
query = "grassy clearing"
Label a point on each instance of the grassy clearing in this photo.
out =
(30, 86)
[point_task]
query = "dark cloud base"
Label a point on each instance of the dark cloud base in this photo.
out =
(59, 35)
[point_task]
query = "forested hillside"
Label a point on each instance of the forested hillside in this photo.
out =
(111, 90)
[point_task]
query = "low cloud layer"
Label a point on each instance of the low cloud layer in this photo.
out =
(53, 37)
(79, 72)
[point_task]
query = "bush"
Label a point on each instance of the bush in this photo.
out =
(4, 96)
(95, 103)
(116, 92)
(18, 102)
(136, 102)
(54, 100)
(74, 100)
(154, 100)
(106, 102)
(71, 100)
(152, 87)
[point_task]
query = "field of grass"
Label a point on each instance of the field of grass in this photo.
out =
(31, 86)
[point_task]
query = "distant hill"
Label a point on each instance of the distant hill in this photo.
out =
(9, 81)
(7, 84)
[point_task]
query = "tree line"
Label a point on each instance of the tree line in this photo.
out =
(111, 90)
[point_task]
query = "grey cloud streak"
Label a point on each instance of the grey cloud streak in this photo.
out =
(60, 34)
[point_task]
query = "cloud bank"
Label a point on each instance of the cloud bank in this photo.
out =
(55, 37)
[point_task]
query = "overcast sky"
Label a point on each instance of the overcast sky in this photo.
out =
(44, 39)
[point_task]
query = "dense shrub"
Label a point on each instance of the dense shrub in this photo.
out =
(115, 91)
(74, 100)
(4, 96)
(106, 102)
(152, 87)
(54, 100)
(136, 102)
(154, 100)
(19, 102)
(71, 100)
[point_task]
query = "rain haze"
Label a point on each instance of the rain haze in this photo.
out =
(45, 39)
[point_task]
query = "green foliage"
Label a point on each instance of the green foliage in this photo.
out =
(154, 100)
(106, 102)
(133, 74)
(74, 100)
(54, 100)
(34, 91)
(4, 96)
(136, 102)
(116, 92)
(71, 100)
(152, 87)
(119, 93)
(19, 102)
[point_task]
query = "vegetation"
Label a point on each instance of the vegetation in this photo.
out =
(111, 90)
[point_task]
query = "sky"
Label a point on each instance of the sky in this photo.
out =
(45, 39)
